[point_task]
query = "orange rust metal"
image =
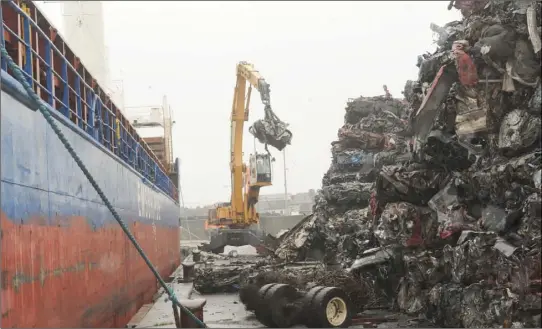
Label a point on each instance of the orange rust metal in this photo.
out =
(70, 275)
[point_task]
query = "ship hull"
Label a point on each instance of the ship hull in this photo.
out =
(65, 261)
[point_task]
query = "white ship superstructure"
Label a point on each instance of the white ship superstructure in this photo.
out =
(84, 30)
(154, 124)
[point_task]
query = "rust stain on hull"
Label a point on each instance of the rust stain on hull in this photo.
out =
(74, 276)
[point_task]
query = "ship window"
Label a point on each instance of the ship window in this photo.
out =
(263, 166)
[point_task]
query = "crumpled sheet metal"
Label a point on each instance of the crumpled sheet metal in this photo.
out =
(530, 227)
(471, 108)
(424, 267)
(496, 41)
(334, 239)
(381, 270)
(337, 176)
(411, 298)
(210, 280)
(360, 107)
(373, 257)
(475, 306)
(451, 206)
(487, 308)
(519, 131)
(391, 157)
(525, 279)
(354, 159)
(348, 235)
(441, 149)
(349, 193)
(352, 137)
(535, 103)
(534, 33)
(356, 165)
(299, 275)
(424, 117)
(444, 305)
(530, 306)
(499, 220)
(477, 111)
(291, 247)
(382, 122)
(473, 260)
(272, 132)
(524, 67)
(407, 225)
(484, 257)
(430, 66)
(463, 70)
(423, 270)
(447, 34)
(324, 208)
(469, 7)
(537, 179)
(505, 183)
(415, 184)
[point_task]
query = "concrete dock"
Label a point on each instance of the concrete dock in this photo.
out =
(220, 311)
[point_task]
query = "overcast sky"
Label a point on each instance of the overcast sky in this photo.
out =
(315, 55)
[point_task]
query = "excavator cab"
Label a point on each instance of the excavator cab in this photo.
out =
(260, 169)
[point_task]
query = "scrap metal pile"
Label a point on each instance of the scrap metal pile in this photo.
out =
(434, 201)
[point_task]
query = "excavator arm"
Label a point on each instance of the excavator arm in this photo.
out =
(269, 130)
(231, 221)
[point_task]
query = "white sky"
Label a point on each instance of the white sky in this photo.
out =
(315, 55)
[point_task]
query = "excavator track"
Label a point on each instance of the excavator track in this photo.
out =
(232, 237)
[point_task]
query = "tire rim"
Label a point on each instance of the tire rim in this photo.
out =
(336, 311)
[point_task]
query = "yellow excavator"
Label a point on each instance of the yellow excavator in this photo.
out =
(230, 223)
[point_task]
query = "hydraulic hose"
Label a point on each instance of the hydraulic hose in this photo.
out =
(16, 70)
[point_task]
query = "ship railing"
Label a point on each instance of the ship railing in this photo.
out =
(61, 80)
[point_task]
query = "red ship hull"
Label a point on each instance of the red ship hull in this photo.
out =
(72, 276)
